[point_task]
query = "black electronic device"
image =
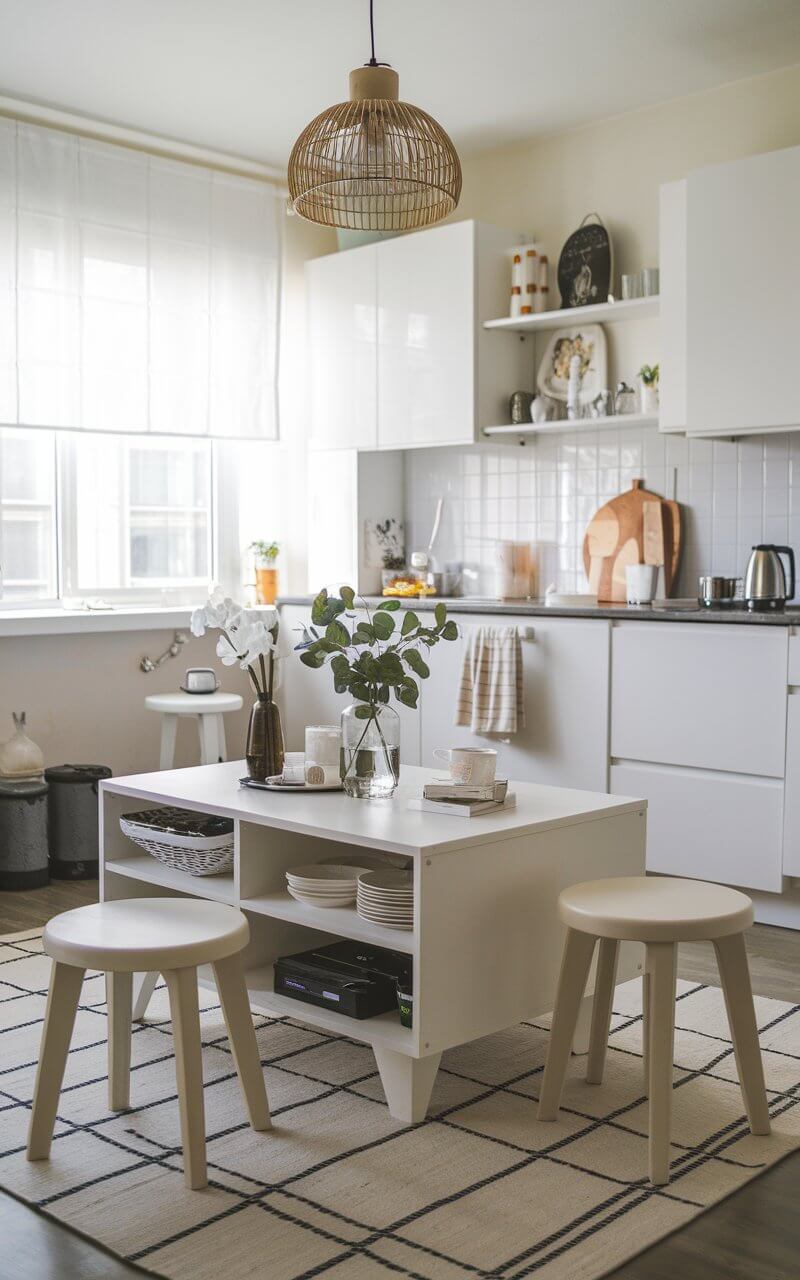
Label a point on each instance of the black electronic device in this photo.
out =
(354, 978)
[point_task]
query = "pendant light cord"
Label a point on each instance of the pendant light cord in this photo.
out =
(373, 61)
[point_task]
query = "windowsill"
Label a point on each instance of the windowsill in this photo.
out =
(61, 622)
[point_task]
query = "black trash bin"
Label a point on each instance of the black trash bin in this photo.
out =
(74, 820)
(23, 834)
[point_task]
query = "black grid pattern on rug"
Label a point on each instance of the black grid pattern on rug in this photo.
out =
(339, 1188)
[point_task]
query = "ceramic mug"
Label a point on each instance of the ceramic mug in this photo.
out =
(472, 766)
(640, 580)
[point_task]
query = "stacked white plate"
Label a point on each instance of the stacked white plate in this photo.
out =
(387, 898)
(325, 884)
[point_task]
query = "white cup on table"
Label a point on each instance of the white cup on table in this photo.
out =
(470, 766)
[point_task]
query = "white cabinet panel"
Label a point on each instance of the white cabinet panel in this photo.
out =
(709, 826)
(794, 657)
(791, 814)
(740, 323)
(307, 697)
(426, 337)
(703, 696)
(565, 738)
(342, 323)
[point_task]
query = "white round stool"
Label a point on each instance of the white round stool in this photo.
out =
(661, 912)
(208, 708)
(172, 936)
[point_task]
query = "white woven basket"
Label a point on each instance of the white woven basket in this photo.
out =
(196, 855)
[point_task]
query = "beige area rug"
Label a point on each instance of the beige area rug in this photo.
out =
(339, 1189)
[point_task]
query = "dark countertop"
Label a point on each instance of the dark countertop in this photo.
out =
(659, 611)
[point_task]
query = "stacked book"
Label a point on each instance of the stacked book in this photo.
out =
(464, 800)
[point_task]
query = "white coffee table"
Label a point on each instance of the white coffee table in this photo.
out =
(486, 943)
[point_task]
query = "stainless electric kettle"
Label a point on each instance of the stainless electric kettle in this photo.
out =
(765, 580)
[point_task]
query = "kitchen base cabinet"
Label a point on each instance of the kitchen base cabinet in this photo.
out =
(791, 809)
(708, 826)
(703, 697)
(564, 741)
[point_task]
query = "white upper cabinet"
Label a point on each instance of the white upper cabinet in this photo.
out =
(342, 326)
(731, 273)
(426, 338)
(418, 369)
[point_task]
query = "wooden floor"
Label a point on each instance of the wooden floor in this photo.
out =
(753, 1235)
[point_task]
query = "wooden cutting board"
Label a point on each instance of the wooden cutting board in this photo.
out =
(629, 530)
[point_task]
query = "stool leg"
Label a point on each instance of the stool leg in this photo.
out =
(169, 732)
(646, 1031)
(146, 987)
(662, 970)
(229, 977)
(605, 982)
(578, 950)
(183, 1003)
(222, 749)
(209, 747)
(62, 1005)
(119, 996)
(735, 975)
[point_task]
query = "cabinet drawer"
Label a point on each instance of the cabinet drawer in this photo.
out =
(794, 656)
(708, 826)
(791, 811)
(702, 695)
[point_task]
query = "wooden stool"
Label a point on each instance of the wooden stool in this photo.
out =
(207, 708)
(172, 936)
(660, 912)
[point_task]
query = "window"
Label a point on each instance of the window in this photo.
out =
(130, 517)
(140, 514)
(139, 305)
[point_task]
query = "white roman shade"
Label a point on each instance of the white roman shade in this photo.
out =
(137, 294)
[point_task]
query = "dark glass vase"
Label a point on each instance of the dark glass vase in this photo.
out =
(264, 740)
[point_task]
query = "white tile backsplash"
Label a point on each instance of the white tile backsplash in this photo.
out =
(734, 493)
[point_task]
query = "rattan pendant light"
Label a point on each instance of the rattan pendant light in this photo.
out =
(374, 163)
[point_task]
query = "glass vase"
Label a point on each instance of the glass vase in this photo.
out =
(264, 740)
(370, 760)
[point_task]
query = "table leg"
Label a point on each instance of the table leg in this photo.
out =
(169, 731)
(407, 1082)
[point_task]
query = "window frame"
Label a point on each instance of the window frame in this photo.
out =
(224, 554)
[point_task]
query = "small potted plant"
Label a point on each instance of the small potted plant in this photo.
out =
(648, 388)
(266, 553)
(371, 658)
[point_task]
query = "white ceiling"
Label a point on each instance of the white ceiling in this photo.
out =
(244, 76)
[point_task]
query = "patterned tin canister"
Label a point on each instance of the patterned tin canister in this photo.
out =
(74, 820)
(23, 834)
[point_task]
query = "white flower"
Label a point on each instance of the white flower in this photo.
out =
(198, 623)
(226, 652)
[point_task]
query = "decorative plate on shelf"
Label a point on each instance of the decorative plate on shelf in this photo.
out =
(587, 341)
(586, 265)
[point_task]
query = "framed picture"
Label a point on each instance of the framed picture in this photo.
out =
(586, 265)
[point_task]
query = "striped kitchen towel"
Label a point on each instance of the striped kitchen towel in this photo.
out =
(490, 695)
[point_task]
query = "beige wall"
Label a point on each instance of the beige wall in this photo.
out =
(84, 696)
(544, 187)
